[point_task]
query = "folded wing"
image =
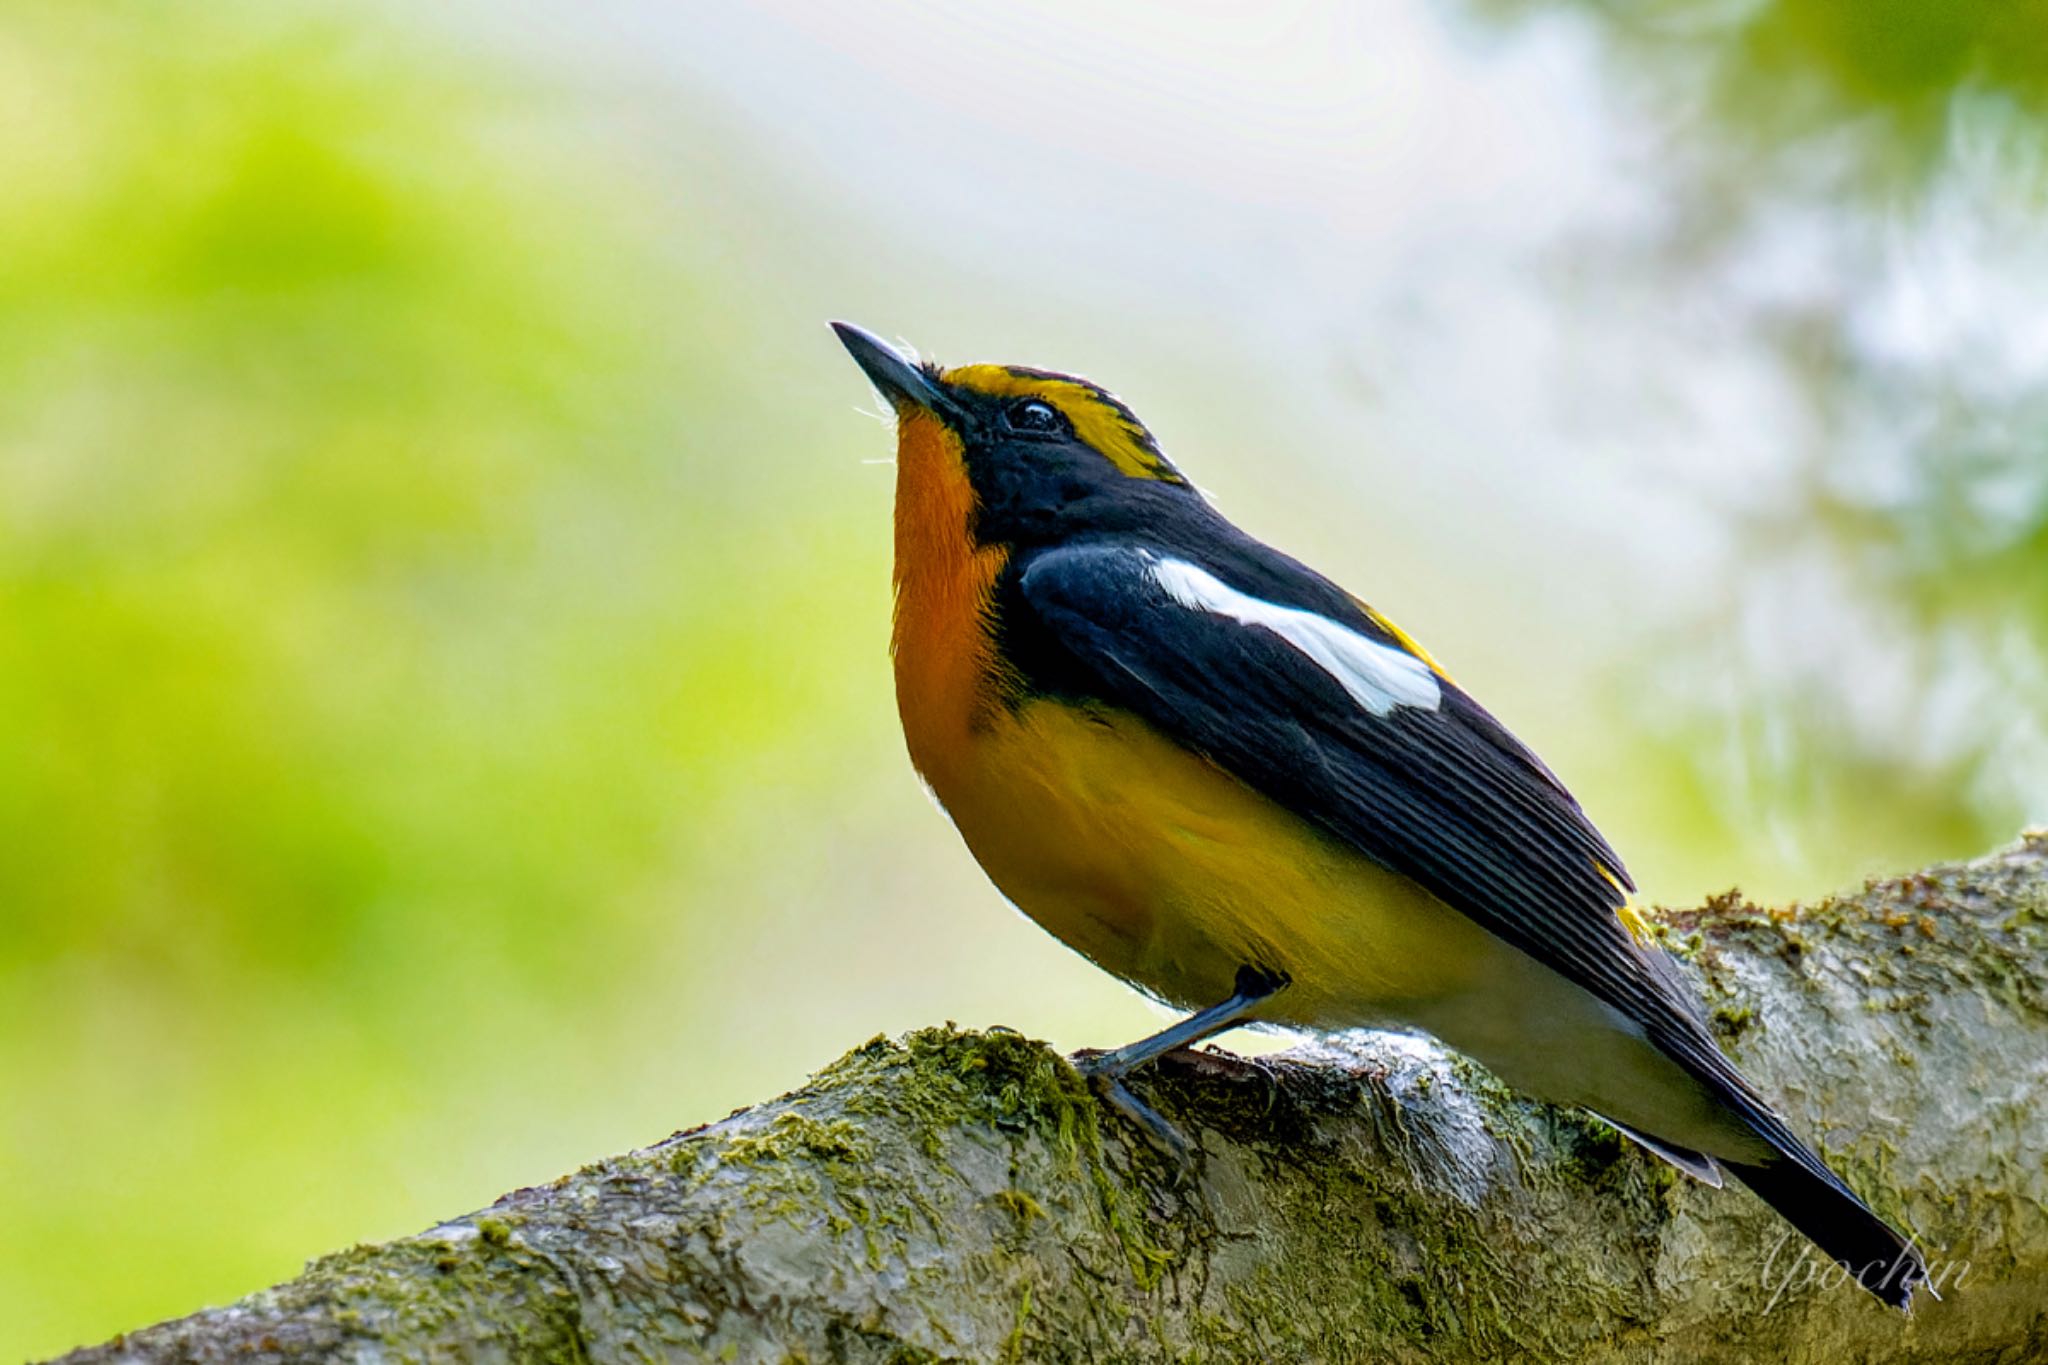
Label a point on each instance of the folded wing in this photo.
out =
(1329, 713)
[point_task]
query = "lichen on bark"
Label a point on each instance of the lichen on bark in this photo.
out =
(963, 1196)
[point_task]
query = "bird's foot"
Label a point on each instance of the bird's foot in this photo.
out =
(1105, 1073)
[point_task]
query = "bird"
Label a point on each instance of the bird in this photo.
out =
(1232, 784)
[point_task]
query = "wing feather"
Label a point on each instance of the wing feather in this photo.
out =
(1444, 795)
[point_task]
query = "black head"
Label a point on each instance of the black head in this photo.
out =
(1048, 455)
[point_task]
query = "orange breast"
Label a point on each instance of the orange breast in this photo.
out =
(946, 673)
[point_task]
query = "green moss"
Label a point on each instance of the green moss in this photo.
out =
(406, 1297)
(940, 1080)
(1013, 1345)
(1584, 1149)
(1732, 1021)
(1019, 1206)
(797, 1136)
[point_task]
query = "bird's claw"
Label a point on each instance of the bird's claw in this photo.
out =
(1106, 1079)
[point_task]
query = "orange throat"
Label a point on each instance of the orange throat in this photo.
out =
(946, 671)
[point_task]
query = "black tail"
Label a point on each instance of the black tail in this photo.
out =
(1811, 1198)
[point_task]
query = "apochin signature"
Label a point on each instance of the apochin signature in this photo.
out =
(1804, 1268)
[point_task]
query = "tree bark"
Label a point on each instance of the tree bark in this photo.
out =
(963, 1196)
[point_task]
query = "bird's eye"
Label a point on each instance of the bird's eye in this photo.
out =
(1034, 414)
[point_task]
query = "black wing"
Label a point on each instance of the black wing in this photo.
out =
(1442, 794)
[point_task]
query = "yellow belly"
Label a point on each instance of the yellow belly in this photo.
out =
(1169, 873)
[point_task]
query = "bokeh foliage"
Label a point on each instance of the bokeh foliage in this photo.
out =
(363, 461)
(1855, 191)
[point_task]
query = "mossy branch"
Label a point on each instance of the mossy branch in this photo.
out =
(963, 1196)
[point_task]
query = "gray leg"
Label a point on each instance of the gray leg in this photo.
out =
(1107, 1070)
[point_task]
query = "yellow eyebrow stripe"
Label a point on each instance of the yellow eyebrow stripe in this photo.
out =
(1103, 423)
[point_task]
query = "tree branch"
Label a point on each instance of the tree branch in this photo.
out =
(963, 1196)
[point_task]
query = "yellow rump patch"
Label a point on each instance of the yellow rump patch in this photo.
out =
(1098, 418)
(1631, 918)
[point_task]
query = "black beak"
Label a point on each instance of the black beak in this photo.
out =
(899, 381)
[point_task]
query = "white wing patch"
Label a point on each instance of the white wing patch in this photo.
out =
(1378, 677)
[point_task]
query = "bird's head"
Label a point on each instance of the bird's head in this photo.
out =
(1043, 455)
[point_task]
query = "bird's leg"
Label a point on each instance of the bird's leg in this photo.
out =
(1106, 1070)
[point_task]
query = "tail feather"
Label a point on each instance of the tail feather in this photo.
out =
(1698, 1165)
(1811, 1198)
(1788, 1175)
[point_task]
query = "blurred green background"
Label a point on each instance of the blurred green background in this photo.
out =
(445, 731)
